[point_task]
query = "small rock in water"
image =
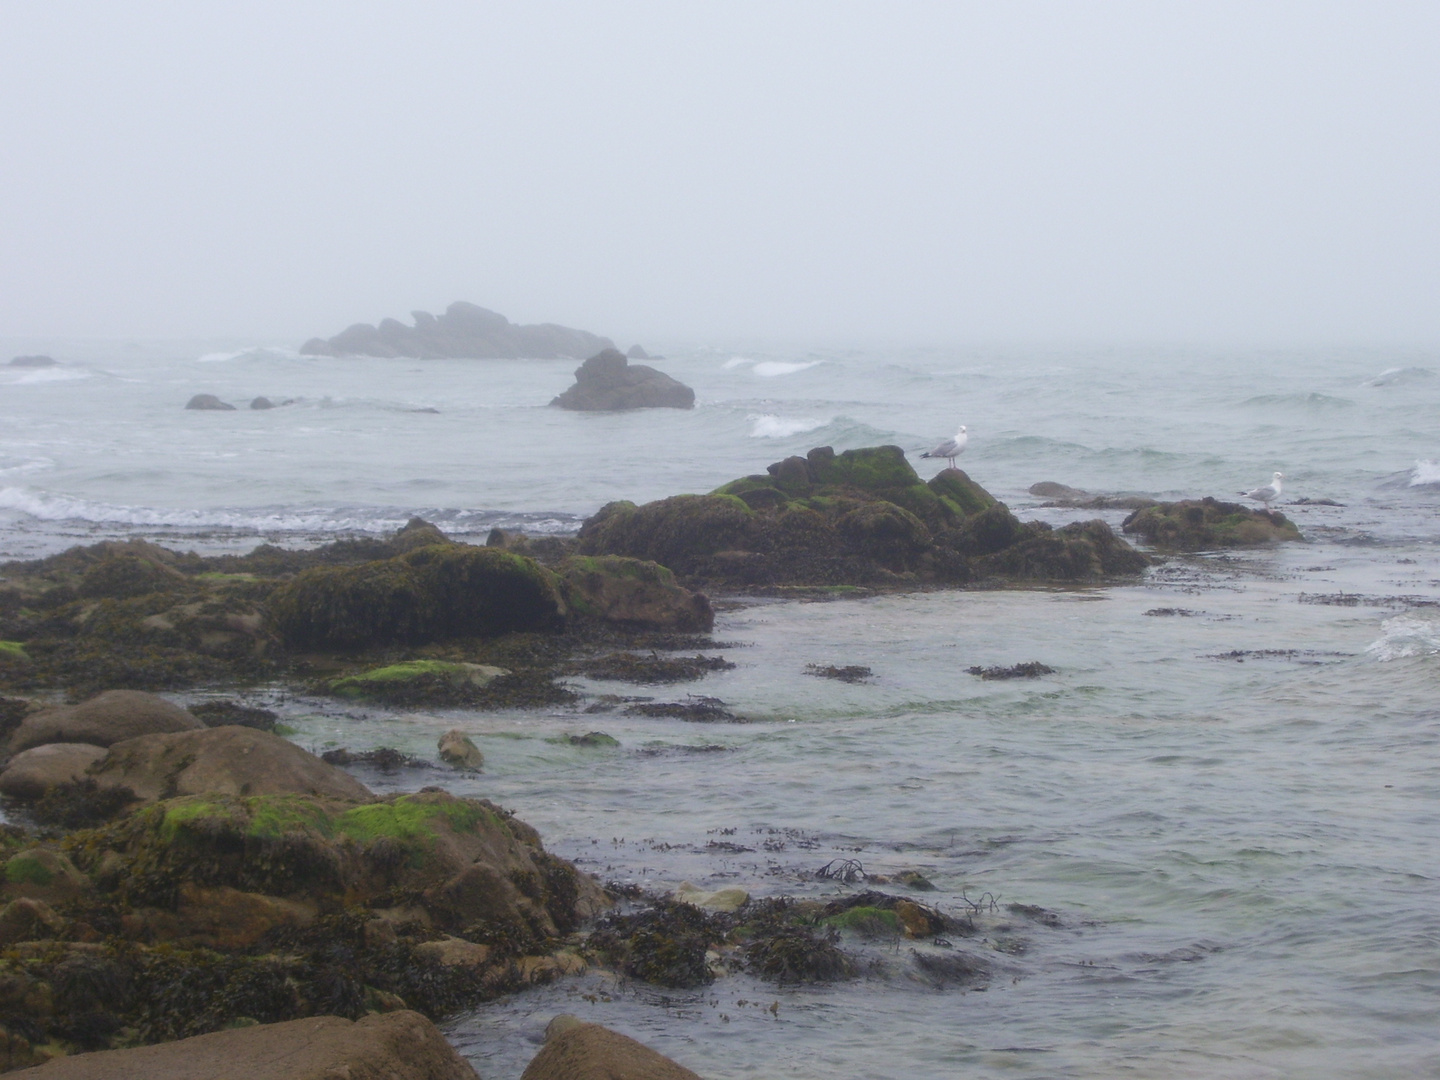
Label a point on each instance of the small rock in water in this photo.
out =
(592, 739)
(1162, 611)
(696, 708)
(1031, 670)
(33, 361)
(209, 401)
(457, 749)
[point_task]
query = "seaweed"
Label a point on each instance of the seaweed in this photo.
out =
(1032, 669)
(653, 669)
(702, 710)
(852, 673)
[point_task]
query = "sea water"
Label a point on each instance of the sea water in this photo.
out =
(1226, 799)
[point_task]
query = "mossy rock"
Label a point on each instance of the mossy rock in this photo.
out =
(460, 861)
(431, 594)
(1207, 524)
(125, 575)
(409, 675)
(1086, 551)
(873, 468)
(677, 532)
(633, 592)
(13, 652)
(964, 495)
(866, 921)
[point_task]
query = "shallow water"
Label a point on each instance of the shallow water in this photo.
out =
(1232, 812)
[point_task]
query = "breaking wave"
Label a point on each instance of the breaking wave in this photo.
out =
(1405, 636)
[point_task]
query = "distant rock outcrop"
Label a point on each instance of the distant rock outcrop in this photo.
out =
(42, 361)
(209, 401)
(464, 331)
(609, 381)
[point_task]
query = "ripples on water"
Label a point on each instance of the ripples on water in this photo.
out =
(1228, 794)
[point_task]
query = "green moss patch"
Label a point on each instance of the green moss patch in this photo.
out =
(866, 920)
(14, 651)
(28, 868)
(407, 818)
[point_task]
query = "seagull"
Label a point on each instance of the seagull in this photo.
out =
(1269, 491)
(950, 449)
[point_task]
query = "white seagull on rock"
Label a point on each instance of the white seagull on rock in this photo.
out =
(1268, 492)
(950, 449)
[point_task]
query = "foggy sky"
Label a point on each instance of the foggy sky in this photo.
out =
(833, 171)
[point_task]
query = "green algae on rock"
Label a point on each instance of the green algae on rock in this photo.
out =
(636, 592)
(859, 517)
(432, 593)
(1206, 524)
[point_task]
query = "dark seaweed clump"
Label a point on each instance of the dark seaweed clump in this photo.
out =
(222, 713)
(665, 945)
(652, 670)
(702, 710)
(80, 804)
(852, 673)
(1031, 670)
(385, 758)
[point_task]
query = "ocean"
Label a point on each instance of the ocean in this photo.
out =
(1207, 844)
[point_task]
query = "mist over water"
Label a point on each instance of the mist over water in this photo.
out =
(1226, 797)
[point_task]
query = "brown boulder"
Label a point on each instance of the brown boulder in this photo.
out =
(104, 720)
(31, 771)
(226, 761)
(400, 1045)
(578, 1051)
(26, 919)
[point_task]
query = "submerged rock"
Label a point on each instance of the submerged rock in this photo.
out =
(209, 401)
(608, 381)
(400, 1045)
(1205, 524)
(463, 331)
(35, 361)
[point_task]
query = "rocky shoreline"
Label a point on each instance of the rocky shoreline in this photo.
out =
(178, 874)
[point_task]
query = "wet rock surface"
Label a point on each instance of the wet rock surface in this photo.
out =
(1206, 524)
(578, 1051)
(862, 517)
(209, 402)
(607, 382)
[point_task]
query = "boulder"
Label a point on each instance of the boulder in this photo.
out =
(731, 899)
(636, 352)
(224, 760)
(432, 593)
(608, 381)
(455, 748)
(32, 361)
(400, 1045)
(1206, 524)
(209, 401)
(262, 403)
(28, 920)
(41, 873)
(32, 771)
(575, 1050)
(103, 720)
(636, 592)
(455, 952)
(460, 864)
(464, 330)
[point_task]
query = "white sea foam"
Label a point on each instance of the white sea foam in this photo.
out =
(769, 369)
(770, 426)
(1404, 636)
(48, 506)
(53, 374)
(1426, 472)
(259, 351)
